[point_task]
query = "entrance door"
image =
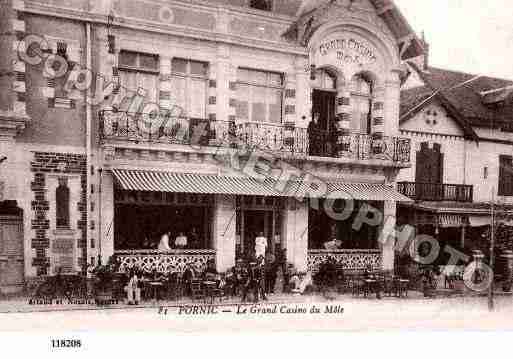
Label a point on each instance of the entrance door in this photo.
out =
(323, 102)
(429, 172)
(255, 222)
(321, 140)
(11, 254)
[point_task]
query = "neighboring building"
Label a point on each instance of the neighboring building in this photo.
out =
(460, 126)
(88, 179)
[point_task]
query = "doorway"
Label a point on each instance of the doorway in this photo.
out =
(11, 254)
(256, 221)
(321, 135)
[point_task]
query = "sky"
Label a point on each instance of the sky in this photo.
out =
(472, 36)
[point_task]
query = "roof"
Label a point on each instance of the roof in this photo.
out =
(468, 94)
(311, 16)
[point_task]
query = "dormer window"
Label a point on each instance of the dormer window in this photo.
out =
(265, 5)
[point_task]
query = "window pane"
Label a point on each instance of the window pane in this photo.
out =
(199, 68)
(197, 99)
(128, 58)
(259, 109)
(243, 75)
(258, 77)
(149, 83)
(275, 79)
(243, 92)
(148, 61)
(274, 100)
(179, 66)
(178, 85)
(330, 82)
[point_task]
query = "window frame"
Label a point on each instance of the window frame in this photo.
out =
(189, 77)
(141, 70)
(270, 9)
(268, 85)
(62, 222)
(356, 93)
(505, 178)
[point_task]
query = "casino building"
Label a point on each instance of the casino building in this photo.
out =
(197, 117)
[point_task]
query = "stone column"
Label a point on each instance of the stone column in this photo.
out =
(295, 233)
(392, 100)
(224, 232)
(387, 248)
(106, 224)
(289, 134)
(378, 114)
(165, 83)
(303, 93)
(343, 124)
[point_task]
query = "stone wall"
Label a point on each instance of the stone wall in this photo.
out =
(44, 166)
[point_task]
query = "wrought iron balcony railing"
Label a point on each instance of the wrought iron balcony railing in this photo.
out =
(359, 146)
(436, 192)
(285, 138)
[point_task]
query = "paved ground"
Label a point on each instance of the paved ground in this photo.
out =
(346, 313)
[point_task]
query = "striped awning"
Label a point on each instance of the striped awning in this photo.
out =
(356, 191)
(155, 181)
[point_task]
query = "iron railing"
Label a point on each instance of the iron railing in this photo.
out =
(359, 146)
(436, 191)
(249, 135)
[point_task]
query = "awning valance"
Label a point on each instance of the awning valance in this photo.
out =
(155, 181)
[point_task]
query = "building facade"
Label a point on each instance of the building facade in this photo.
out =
(460, 130)
(212, 120)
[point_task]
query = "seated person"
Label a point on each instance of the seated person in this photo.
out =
(164, 242)
(301, 282)
(181, 241)
(333, 245)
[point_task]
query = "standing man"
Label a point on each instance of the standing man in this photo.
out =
(260, 245)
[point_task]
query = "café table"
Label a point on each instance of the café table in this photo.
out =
(155, 285)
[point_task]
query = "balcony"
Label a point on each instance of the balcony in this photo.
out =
(286, 139)
(436, 192)
(244, 136)
(358, 146)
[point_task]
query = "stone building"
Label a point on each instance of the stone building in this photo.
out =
(122, 120)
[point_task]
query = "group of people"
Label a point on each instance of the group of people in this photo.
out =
(182, 241)
(257, 278)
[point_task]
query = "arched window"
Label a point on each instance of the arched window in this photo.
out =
(361, 103)
(324, 81)
(62, 204)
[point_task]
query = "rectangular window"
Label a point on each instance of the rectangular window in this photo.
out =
(139, 71)
(259, 96)
(189, 87)
(265, 5)
(505, 175)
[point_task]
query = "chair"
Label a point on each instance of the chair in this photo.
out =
(388, 285)
(197, 291)
(357, 285)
